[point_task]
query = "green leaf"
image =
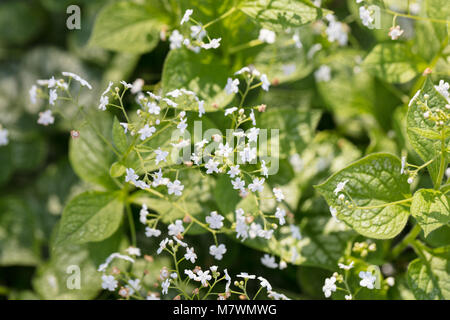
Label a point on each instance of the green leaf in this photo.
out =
(119, 137)
(431, 209)
(90, 156)
(191, 71)
(375, 180)
(426, 133)
(226, 197)
(282, 14)
(6, 168)
(392, 62)
(427, 149)
(18, 245)
(438, 9)
(90, 217)
(429, 276)
(128, 27)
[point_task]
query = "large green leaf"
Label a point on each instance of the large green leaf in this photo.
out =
(128, 26)
(374, 180)
(416, 124)
(90, 155)
(439, 9)
(431, 209)
(282, 14)
(429, 276)
(392, 62)
(188, 70)
(90, 217)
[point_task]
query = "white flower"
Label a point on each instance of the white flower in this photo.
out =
(201, 108)
(244, 69)
(265, 82)
(252, 117)
(234, 171)
(52, 96)
(232, 86)
(280, 214)
(366, 16)
(143, 214)
(214, 44)
(190, 274)
(151, 232)
(238, 184)
(153, 108)
(340, 186)
(217, 251)
(368, 279)
(176, 228)
(203, 276)
(333, 212)
(103, 266)
(348, 297)
(133, 251)
(181, 243)
(224, 150)
(125, 126)
(253, 133)
(186, 16)
(176, 39)
(329, 286)
(269, 261)
(146, 132)
(109, 282)
(3, 136)
(265, 284)
(257, 185)
(346, 267)
(137, 86)
(402, 170)
(443, 88)
(51, 82)
(170, 102)
(158, 179)
(390, 281)
(230, 110)
(153, 96)
(126, 84)
(248, 154)
(277, 296)
(131, 176)
(165, 286)
(152, 296)
(211, 166)
(214, 220)
(395, 32)
(104, 100)
(46, 118)
(160, 155)
(198, 32)
(323, 74)
(267, 36)
(228, 278)
(33, 94)
(297, 41)
(245, 275)
(295, 232)
(447, 172)
(278, 194)
(190, 255)
(162, 245)
(133, 285)
(76, 77)
(181, 144)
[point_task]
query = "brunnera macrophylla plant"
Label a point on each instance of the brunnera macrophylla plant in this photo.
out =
(375, 195)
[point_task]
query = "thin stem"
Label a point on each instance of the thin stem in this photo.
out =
(404, 15)
(384, 204)
(443, 162)
(223, 16)
(131, 223)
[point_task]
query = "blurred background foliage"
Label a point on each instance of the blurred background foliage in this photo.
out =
(323, 127)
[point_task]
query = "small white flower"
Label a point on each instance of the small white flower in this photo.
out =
(248, 154)
(146, 132)
(76, 77)
(133, 251)
(211, 166)
(323, 74)
(228, 279)
(252, 117)
(280, 214)
(190, 274)
(126, 84)
(46, 118)
(153, 108)
(265, 284)
(52, 97)
(267, 36)
(162, 245)
(447, 173)
(170, 102)
(232, 86)
(201, 108)
(348, 297)
(277, 296)
(242, 230)
(133, 285)
(176, 228)
(336, 31)
(51, 82)
(160, 155)
(257, 185)
(234, 171)
(230, 110)
(131, 176)
(197, 32)
(329, 286)
(402, 170)
(340, 186)
(152, 296)
(395, 32)
(151, 232)
(224, 150)
(245, 275)
(346, 267)
(213, 44)
(204, 277)
(269, 261)
(368, 279)
(190, 255)
(217, 251)
(33, 94)
(165, 286)
(176, 40)
(333, 212)
(390, 281)
(143, 214)
(278, 194)
(295, 232)
(214, 220)
(3, 136)
(265, 82)
(244, 69)
(443, 88)
(153, 96)
(186, 16)
(238, 184)
(366, 16)
(252, 134)
(109, 282)
(158, 179)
